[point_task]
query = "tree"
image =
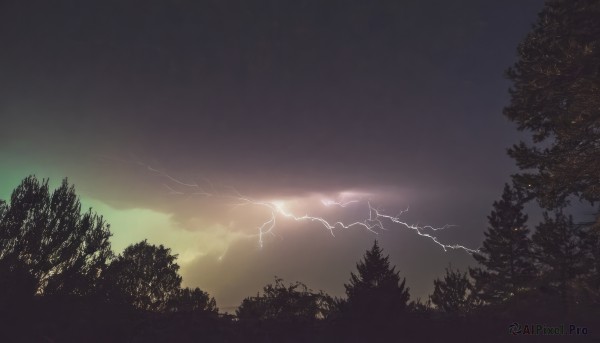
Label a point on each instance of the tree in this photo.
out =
(506, 251)
(64, 250)
(2, 208)
(560, 250)
(452, 294)
(193, 300)
(145, 276)
(421, 308)
(556, 97)
(591, 240)
(282, 302)
(376, 291)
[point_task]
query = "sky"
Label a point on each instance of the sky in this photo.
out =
(188, 123)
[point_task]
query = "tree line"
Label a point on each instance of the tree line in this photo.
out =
(52, 254)
(49, 247)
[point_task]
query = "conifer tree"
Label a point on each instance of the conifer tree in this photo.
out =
(591, 240)
(556, 97)
(452, 294)
(376, 291)
(560, 250)
(506, 251)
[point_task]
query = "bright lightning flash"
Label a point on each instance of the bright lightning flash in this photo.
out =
(373, 221)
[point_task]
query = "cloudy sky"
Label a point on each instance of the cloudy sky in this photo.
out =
(190, 123)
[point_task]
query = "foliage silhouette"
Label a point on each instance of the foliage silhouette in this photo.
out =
(281, 302)
(506, 251)
(376, 291)
(556, 97)
(145, 276)
(453, 294)
(63, 249)
(560, 252)
(590, 236)
(192, 300)
(2, 208)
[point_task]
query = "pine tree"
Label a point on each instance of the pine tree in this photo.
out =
(589, 284)
(591, 240)
(560, 250)
(452, 294)
(556, 97)
(506, 251)
(376, 291)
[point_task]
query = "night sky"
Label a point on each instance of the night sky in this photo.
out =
(396, 103)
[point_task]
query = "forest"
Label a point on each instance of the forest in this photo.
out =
(60, 281)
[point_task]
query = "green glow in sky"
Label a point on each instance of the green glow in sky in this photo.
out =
(129, 226)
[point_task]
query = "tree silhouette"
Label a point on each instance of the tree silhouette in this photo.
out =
(144, 276)
(64, 250)
(2, 208)
(193, 300)
(376, 291)
(506, 251)
(282, 302)
(419, 307)
(556, 96)
(591, 241)
(560, 251)
(452, 294)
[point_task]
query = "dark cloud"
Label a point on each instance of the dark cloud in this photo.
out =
(277, 98)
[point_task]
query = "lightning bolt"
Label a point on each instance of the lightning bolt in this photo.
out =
(372, 223)
(327, 202)
(419, 231)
